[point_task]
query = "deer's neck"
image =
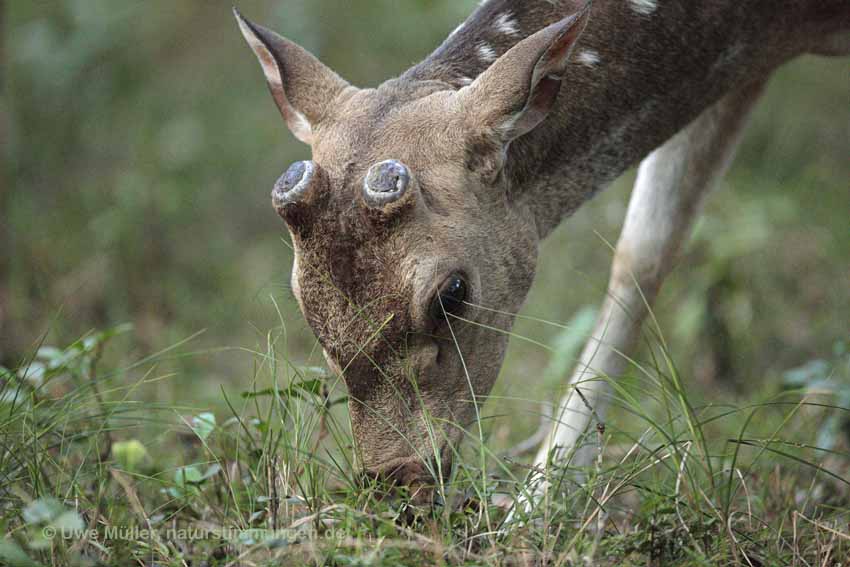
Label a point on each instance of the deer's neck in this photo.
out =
(642, 70)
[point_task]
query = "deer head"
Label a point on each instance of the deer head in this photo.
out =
(412, 255)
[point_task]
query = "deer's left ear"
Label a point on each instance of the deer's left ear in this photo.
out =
(519, 89)
(302, 86)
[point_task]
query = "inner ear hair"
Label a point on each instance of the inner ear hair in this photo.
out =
(302, 86)
(519, 89)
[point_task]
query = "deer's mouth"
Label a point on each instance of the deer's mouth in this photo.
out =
(412, 476)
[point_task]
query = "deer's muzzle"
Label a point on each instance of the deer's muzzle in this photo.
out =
(412, 475)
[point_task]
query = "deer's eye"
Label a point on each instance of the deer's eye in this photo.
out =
(449, 298)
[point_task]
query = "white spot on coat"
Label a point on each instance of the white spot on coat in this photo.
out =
(589, 58)
(486, 52)
(506, 24)
(464, 80)
(644, 7)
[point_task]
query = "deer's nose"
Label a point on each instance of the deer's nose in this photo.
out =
(402, 473)
(412, 475)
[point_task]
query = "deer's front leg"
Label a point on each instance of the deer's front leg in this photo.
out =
(669, 188)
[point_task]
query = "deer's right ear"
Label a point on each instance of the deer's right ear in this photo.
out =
(301, 85)
(519, 89)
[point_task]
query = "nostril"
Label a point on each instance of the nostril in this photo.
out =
(424, 357)
(410, 474)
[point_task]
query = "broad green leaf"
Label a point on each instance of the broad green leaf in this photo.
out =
(805, 375)
(211, 471)
(42, 510)
(14, 556)
(203, 425)
(131, 455)
(33, 373)
(49, 353)
(68, 523)
(189, 474)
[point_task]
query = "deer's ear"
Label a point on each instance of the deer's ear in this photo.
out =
(519, 89)
(301, 85)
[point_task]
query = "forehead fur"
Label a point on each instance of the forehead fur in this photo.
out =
(414, 122)
(353, 293)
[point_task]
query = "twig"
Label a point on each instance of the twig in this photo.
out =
(747, 493)
(817, 524)
(681, 473)
(592, 411)
(271, 479)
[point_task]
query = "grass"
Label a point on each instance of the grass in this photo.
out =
(93, 476)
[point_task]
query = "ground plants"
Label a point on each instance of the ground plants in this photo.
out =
(92, 476)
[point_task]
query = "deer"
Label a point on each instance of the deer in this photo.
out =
(415, 226)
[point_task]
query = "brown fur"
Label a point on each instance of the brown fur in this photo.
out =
(482, 197)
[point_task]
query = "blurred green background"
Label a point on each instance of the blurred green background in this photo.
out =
(142, 146)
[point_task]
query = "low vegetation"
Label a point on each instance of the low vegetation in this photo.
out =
(91, 476)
